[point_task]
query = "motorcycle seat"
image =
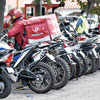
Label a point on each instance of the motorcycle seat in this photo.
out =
(86, 44)
(66, 23)
(5, 52)
(2, 52)
(31, 45)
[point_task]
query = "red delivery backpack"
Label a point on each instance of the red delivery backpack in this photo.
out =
(42, 28)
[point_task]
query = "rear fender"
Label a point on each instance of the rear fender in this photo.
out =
(94, 53)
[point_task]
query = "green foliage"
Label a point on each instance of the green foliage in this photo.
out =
(94, 10)
(83, 5)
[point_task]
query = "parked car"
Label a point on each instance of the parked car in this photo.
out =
(93, 23)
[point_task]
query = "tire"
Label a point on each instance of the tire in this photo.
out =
(73, 70)
(72, 67)
(62, 76)
(88, 65)
(79, 71)
(82, 68)
(94, 64)
(7, 86)
(43, 76)
(99, 60)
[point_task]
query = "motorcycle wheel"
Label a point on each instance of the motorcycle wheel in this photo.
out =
(72, 67)
(45, 78)
(62, 72)
(98, 60)
(94, 64)
(5, 86)
(88, 65)
(79, 66)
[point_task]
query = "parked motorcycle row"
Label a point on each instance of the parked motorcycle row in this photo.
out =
(48, 65)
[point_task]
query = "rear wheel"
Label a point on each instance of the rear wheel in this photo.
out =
(45, 78)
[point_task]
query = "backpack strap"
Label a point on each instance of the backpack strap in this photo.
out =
(24, 34)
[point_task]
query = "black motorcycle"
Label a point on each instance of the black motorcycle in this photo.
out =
(37, 75)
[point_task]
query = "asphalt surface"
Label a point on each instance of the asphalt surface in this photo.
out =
(85, 88)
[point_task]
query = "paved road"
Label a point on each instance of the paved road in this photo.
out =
(86, 88)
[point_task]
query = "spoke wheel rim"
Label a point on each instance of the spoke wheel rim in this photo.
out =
(42, 80)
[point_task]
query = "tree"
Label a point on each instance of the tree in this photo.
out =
(2, 8)
(96, 8)
(89, 6)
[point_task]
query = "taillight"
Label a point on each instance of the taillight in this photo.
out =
(65, 45)
(94, 46)
(11, 44)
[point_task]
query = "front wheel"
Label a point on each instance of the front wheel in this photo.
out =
(45, 78)
(5, 86)
(62, 72)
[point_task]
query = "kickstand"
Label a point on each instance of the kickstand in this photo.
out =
(76, 77)
(20, 87)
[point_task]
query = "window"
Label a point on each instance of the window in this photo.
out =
(50, 11)
(29, 11)
(43, 11)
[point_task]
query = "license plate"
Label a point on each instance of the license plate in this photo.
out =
(82, 54)
(10, 70)
(74, 53)
(50, 56)
(37, 57)
(68, 50)
(77, 46)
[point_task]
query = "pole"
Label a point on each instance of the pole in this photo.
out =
(17, 3)
(2, 9)
(38, 7)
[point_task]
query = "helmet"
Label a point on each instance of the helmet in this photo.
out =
(15, 14)
(83, 11)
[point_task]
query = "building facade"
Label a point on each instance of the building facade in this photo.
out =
(70, 5)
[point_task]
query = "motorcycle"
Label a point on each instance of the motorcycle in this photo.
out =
(78, 38)
(57, 63)
(60, 67)
(19, 66)
(89, 49)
